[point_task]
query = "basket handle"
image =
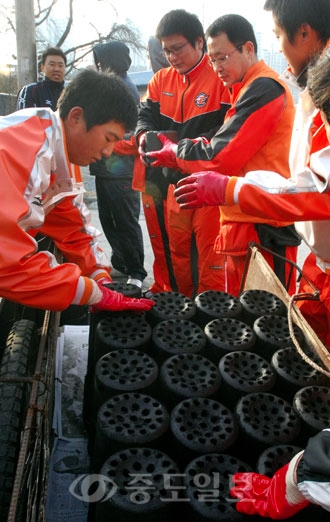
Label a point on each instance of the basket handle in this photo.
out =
(313, 364)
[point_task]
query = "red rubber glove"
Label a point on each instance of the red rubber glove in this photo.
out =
(165, 157)
(277, 498)
(201, 189)
(113, 301)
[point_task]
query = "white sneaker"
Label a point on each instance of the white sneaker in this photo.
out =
(136, 282)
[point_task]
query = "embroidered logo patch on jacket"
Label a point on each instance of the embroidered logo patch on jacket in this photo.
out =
(201, 99)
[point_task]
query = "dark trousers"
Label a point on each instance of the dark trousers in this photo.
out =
(119, 210)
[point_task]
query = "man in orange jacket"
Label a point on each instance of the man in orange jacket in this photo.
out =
(42, 191)
(186, 97)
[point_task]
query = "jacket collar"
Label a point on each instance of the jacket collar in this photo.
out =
(195, 71)
(253, 71)
(47, 81)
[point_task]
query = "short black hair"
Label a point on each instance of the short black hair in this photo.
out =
(237, 28)
(52, 51)
(291, 14)
(179, 21)
(318, 84)
(103, 96)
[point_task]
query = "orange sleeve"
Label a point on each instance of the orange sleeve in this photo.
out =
(126, 147)
(299, 206)
(139, 175)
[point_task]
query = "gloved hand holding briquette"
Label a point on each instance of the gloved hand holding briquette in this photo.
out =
(105, 299)
(166, 156)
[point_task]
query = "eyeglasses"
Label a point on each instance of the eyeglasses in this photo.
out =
(223, 59)
(175, 50)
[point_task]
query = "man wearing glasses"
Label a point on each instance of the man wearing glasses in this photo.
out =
(255, 136)
(186, 97)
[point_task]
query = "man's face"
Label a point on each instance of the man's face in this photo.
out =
(85, 147)
(54, 68)
(180, 53)
(297, 53)
(229, 62)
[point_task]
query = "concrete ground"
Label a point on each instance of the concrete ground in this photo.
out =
(91, 201)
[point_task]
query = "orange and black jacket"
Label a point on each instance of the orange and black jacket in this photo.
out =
(256, 134)
(193, 104)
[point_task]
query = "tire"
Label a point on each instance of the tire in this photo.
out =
(17, 361)
(9, 313)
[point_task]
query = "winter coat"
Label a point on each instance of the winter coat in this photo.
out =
(114, 57)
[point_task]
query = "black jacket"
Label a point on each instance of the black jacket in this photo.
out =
(40, 94)
(114, 56)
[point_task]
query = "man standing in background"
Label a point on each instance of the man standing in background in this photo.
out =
(118, 203)
(46, 92)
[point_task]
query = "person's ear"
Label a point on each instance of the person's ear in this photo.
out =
(200, 43)
(76, 117)
(304, 30)
(249, 47)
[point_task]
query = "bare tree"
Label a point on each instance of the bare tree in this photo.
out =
(50, 31)
(126, 33)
